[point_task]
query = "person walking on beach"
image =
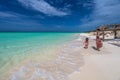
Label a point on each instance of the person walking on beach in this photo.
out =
(86, 43)
(98, 43)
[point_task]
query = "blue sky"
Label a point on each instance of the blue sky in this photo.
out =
(57, 15)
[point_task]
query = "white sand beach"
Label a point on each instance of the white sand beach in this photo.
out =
(99, 65)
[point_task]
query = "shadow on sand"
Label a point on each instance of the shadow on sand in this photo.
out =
(94, 47)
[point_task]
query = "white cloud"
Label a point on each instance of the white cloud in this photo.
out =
(105, 12)
(6, 14)
(107, 8)
(42, 6)
(11, 15)
(15, 18)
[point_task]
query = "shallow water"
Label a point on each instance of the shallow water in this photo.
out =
(68, 61)
(17, 47)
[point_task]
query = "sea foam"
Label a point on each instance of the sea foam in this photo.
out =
(68, 61)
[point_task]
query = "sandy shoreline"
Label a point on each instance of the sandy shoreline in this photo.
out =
(103, 65)
(68, 59)
(72, 62)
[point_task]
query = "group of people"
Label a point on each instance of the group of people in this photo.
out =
(98, 43)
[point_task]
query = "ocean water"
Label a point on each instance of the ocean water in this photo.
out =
(16, 47)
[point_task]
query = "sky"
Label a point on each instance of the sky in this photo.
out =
(57, 15)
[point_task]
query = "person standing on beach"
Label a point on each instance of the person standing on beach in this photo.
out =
(98, 32)
(98, 43)
(86, 43)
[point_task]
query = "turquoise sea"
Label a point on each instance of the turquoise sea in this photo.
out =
(16, 47)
